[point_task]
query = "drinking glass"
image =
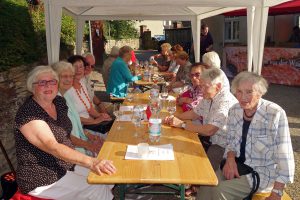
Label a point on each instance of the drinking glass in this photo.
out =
(130, 94)
(164, 95)
(118, 114)
(171, 107)
(136, 119)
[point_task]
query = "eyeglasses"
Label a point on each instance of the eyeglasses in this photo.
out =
(43, 83)
(196, 75)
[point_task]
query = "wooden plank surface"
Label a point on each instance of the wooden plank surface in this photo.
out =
(191, 165)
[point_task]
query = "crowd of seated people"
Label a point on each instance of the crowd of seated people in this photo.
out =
(61, 127)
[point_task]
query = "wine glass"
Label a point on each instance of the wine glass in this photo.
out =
(164, 95)
(130, 94)
(118, 114)
(136, 119)
(171, 106)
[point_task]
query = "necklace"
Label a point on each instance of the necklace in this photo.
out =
(250, 115)
(87, 97)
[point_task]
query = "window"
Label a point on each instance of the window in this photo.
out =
(232, 29)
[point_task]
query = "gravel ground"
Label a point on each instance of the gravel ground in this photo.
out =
(289, 99)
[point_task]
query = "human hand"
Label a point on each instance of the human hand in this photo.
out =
(104, 116)
(273, 196)
(173, 121)
(101, 167)
(94, 147)
(230, 170)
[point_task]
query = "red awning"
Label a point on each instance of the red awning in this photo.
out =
(290, 7)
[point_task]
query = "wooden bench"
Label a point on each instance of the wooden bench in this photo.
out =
(262, 196)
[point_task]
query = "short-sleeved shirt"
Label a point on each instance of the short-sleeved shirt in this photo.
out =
(215, 112)
(119, 78)
(35, 167)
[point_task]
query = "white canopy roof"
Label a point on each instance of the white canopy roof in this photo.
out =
(189, 10)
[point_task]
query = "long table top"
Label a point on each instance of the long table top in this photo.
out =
(191, 165)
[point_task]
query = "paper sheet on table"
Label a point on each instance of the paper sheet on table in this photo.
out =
(160, 152)
(130, 108)
(126, 118)
(169, 98)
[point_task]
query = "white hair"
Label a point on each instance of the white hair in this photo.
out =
(214, 75)
(212, 59)
(61, 66)
(88, 54)
(33, 74)
(260, 84)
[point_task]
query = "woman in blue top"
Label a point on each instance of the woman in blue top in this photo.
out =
(120, 74)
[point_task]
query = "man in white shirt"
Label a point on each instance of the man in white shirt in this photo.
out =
(214, 111)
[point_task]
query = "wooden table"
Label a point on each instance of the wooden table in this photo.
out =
(191, 165)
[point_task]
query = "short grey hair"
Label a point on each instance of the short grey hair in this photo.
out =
(124, 50)
(214, 75)
(260, 84)
(61, 66)
(88, 54)
(35, 72)
(212, 59)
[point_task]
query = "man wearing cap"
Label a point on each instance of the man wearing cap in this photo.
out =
(114, 53)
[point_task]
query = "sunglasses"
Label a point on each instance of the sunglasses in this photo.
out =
(196, 75)
(43, 83)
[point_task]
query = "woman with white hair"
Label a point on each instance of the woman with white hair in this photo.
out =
(84, 141)
(48, 166)
(212, 60)
(258, 140)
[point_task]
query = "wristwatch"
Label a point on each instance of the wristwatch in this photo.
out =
(183, 125)
(278, 192)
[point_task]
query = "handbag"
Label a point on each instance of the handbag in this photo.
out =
(244, 169)
(102, 127)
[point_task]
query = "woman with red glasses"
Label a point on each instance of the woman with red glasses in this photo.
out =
(48, 166)
(193, 96)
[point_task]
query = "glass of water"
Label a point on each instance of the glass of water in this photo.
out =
(130, 90)
(171, 107)
(118, 114)
(164, 95)
(136, 119)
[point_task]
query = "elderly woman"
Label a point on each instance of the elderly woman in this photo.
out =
(84, 141)
(114, 53)
(120, 74)
(89, 116)
(212, 59)
(162, 60)
(48, 166)
(193, 96)
(182, 76)
(259, 137)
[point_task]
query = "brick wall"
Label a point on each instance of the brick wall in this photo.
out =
(12, 94)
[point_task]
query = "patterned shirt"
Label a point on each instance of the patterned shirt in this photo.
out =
(268, 147)
(215, 112)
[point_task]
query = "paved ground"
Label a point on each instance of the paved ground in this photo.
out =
(287, 97)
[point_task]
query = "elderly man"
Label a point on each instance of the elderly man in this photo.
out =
(114, 53)
(214, 111)
(88, 68)
(259, 138)
(120, 74)
(206, 40)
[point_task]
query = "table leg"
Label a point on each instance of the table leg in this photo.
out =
(182, 192)
(122, 188)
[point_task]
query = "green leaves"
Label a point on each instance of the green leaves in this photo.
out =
(120, 29)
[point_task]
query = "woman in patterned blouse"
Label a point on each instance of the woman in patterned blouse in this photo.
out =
(48, 166)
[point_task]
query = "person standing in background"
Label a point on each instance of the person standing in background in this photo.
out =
(206, 40)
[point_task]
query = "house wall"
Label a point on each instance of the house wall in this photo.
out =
(156, 27)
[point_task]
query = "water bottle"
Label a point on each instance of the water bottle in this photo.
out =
(154, 128)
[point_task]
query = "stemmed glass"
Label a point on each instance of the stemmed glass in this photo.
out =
(136, 119)
(130, 89)
(171, 107)
(164, 94)
(118, 114)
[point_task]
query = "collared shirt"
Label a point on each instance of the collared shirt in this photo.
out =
(215, 112)
(268, 148)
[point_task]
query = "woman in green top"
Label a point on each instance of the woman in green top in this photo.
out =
(120, 74)
(84, 141)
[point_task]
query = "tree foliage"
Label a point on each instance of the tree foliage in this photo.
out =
(23, 34)
(120, 29)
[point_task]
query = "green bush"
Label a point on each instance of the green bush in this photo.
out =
(120, 29)
(23, 34)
